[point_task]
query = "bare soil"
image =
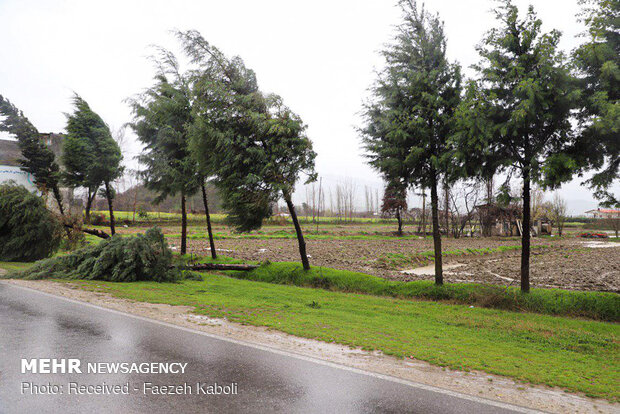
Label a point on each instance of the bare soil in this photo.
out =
(567, 263)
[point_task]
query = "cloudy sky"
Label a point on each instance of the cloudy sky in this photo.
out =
(319, 55)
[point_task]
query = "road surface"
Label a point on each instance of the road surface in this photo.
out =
(37, 325)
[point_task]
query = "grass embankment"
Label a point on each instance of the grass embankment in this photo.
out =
(576, 355)
(595, 305)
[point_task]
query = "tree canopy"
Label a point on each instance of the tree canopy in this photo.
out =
(94, 157)
(598, 67)
(257, 145)
(516, 116)
(164, 115)
(28, 230)
(39, 160)
(409, 121)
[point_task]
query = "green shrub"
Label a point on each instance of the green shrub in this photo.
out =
(142, 213)
(595, 305)
(28, 230)
(118, 259)
(97, 219)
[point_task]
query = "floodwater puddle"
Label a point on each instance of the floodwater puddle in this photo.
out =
(430, 269)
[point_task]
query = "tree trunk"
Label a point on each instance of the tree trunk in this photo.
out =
(108, 195)
(89, 203)
(525, 235)
(94, 232)
(183, 224)
(400, 222)
(300, 237)
(58, 198)
(446, 190)
(135, 204)
(209, 230)
(424, 212)
(436, 233)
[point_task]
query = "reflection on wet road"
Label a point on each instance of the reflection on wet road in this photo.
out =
(35, 325)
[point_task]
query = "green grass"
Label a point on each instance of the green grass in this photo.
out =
(576, 355)
(13, 266)
(594, 305)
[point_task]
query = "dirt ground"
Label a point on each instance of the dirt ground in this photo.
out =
(567, 263)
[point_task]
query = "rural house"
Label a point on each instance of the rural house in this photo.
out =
(604, 213)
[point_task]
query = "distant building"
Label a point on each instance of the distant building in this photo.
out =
(10, 169)
(10, 154)
(604, 213)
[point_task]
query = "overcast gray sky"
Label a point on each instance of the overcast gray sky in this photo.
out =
(319, 55)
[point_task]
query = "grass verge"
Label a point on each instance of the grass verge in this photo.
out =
(595, 305)
(576, 355)
(14, 266)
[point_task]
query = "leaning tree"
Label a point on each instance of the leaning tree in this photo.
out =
(410, 118)
(163, 117)
(516, 115)
(78, 158)
(39, 160)
(255, 144)
(84, 125)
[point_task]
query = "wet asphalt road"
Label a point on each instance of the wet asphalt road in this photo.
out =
(36, 325)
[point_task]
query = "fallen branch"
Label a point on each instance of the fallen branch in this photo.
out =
(94, 232)
(216, 266)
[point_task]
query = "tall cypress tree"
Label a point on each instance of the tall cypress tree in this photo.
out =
(78, 157)
(598, 68)
(516, 116)
(103, 153)
(256, 144)
(162, 116)
(410, 118)
(38, 159)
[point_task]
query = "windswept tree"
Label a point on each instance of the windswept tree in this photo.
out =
(395, 202)
(410, 118)
(28, 230)
(598, 68)
(257, 145)
(78, 158)
(103, 153)
(162, 115)
(39, 160)
(516, 116)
